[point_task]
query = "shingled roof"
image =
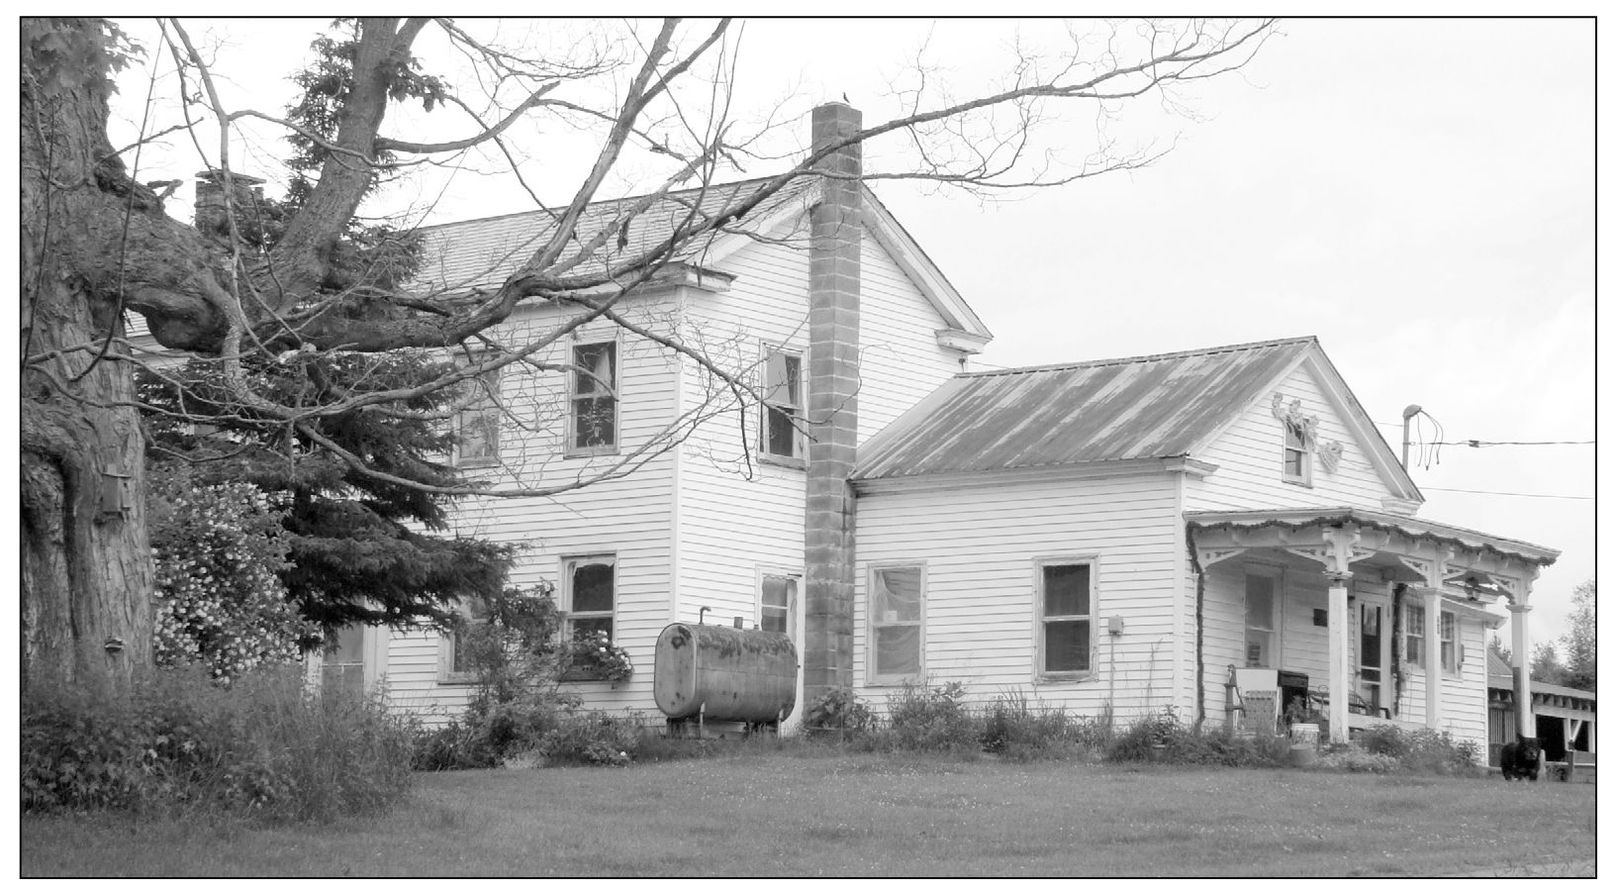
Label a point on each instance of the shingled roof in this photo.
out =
(484, 252)
(1158, 406)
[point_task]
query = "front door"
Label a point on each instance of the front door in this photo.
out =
(1369, 653)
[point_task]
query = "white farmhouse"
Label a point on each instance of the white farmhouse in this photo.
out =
(1197, 529)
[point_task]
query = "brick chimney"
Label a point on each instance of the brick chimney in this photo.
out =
(208, 208)
(833, 415)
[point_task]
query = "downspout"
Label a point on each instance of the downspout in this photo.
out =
(1191, 551)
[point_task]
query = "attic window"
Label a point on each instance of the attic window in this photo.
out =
(1295, 456)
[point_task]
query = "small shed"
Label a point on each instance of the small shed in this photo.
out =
(1565, 720)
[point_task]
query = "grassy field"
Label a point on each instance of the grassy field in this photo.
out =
(867, 815)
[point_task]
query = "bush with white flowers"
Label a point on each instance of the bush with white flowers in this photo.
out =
(218, 550)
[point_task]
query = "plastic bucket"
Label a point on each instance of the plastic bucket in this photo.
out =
(1305, 735)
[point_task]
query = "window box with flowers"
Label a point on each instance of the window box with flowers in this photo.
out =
(592, 657)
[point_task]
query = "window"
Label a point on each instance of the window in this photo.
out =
(477, 424)
(588, 595)
(454, 665)
(781, 416)
(1259, 620)
(1295, 456)
(896, 624)
(593, 421)
(1447, 642)
(1414, 631)
(342, 663)
(1066, 600)
(778, 600)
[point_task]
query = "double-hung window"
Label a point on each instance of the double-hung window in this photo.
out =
(778, 600)
(782, 414)
(1415, 633)
(895, 607)
(1295, 454)
(593, 399)
(1259, 620)
(1067, 605)
(588, 591)
(1447, 642)
(477, 423)
(455, 662)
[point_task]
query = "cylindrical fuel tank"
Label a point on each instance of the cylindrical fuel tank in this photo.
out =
(729, 674)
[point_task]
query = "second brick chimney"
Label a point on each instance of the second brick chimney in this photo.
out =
(833, 407)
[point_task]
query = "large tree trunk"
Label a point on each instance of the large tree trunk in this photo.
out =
(86, 563)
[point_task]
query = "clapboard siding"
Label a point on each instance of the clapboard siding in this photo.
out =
(630, 517)
(979, 544)
(1249, 457)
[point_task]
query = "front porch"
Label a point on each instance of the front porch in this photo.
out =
(1368, 617)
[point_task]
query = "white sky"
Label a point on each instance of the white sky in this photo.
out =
(1420, 195)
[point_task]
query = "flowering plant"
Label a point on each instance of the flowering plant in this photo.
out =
(593, 656)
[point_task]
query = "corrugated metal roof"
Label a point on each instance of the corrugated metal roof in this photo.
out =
(1156, 406)
(1299, 517)
(484, 252)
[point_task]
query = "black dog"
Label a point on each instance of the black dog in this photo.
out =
(1521, 760)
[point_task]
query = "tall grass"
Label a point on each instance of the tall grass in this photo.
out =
(261, 747)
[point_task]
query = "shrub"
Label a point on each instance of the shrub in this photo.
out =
(1147, 738)
(839, 709)
(1422, 750)
(924, 719)
(262, 748)
(1161, 737)
(1017, 732)
(592, 738)
(1357, 760)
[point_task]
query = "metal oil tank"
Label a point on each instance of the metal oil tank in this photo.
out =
(726, 674)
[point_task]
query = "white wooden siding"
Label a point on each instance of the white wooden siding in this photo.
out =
(980, 544)
(1249, 457)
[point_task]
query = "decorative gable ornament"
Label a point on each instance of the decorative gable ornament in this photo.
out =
(1293, 415)
(1332, 451)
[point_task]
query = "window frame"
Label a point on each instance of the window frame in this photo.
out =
(1041, 619)
(791, 607)
(1451, 664)
(1414, 630)
(768, 405)
(488, 402)
(1277, 578)
(1290, 433)
(873, 677)
(569, 564)
(448, 644)
(614, 391)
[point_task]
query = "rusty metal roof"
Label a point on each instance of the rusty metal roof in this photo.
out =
(1158, 406)
(485, 252)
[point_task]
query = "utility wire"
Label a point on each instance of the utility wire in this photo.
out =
(1514, 494)
(1479, 443)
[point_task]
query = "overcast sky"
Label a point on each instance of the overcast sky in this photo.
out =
(1420, 195)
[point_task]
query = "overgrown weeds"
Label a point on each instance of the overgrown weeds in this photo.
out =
(262, 748)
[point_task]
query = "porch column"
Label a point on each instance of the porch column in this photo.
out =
(1430, 646)
(1520, 668)
(1338, 653)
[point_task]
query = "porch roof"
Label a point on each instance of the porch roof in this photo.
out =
(1304, 517)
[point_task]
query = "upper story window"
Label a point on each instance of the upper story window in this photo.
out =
(593, 399)
(896, 624)
(1295, 456)
(588, 595)
(781, 416)
(1067, 605)
(1260, 602)
(477, 424)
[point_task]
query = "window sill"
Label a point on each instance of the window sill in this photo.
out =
(894, 681)
(1075, 677)
(456, 680)
(780, 461)
(591, 452)
(477, 463)
(1298, 481)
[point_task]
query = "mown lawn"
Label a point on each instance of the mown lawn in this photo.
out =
(866, 815)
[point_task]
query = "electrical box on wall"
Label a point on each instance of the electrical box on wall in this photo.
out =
(1115, 625)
